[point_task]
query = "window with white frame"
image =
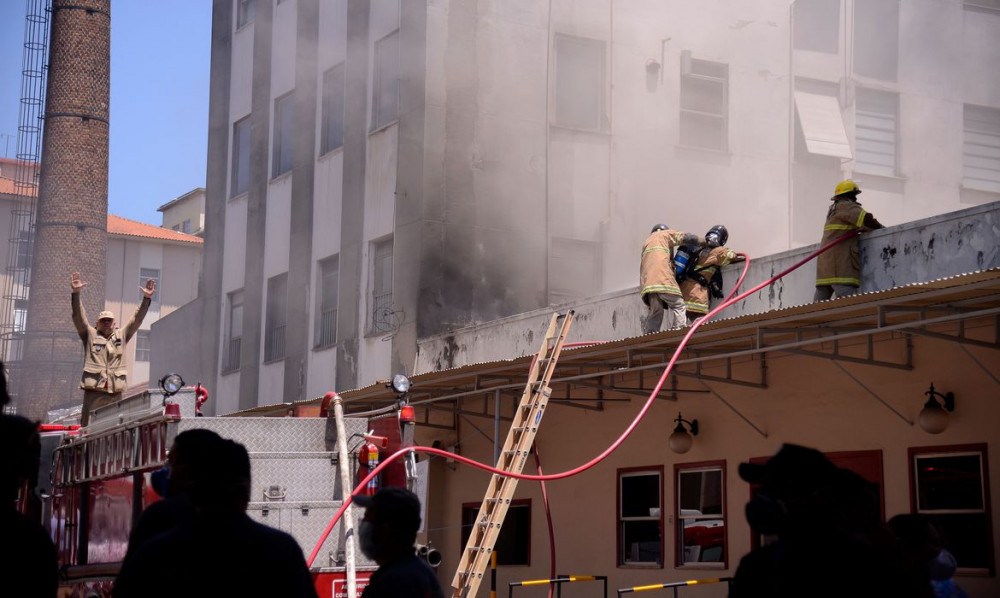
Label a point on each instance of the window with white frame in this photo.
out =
(581, 83)
(951, 485)
(150, 274)
(876, 126)
(332, 109)
(284, 130)
(381, 287)
(245, 10)
(816, 25)
(326, 302)
(240, 182)
(234, 335)
(704, 103)
(385, 81)
(640, 516)
(142, 345)
(981, 148)
(275, 317)
(876, 39)
(700, 521)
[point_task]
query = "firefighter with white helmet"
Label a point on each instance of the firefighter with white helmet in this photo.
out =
(838, 271)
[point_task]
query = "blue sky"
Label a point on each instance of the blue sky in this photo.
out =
(159, 99)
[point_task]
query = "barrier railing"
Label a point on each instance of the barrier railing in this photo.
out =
(559, 581)
(676, 585)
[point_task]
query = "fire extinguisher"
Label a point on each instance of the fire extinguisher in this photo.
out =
(368, 457)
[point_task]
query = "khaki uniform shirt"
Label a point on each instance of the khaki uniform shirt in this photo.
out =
(696, 295)
(103, 358)
(842, 264)
(656, 271)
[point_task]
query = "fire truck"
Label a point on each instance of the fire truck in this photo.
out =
(94, 482)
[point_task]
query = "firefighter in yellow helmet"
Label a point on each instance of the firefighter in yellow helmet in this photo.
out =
(838, 271)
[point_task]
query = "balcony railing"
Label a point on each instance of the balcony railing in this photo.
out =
(327, 333)
(274, 344)
(232, 361)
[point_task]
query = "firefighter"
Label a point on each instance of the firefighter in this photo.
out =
(104, 378)
(838, 271)
(657, 283)
(704, 278)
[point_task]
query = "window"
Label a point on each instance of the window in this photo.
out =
(24, 249)
(819, 123)
(385, 84)
(142, 345)
(513, 545)
(817, 25)
(284, 128)
(234, 324)
(704, 117)
(700, 520)
(154, 274)
(274, 325)
(176, 227)
(949, 485)
(980, 151)
(186, 227)
(20, 315)
(876, 121)
(244, 12)
(381, 286)
(580, 83)
(326, 317)
(876, 38)
(332, 109)
(241, 157)
(640, 516)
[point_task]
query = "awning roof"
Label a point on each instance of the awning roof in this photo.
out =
(822, 124)
(601, 370)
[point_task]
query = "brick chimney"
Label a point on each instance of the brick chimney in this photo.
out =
(71, 220)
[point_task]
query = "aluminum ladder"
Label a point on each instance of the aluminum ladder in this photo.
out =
(528, 416)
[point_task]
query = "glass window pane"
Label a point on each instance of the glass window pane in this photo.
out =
(579, 101)
(640, 495)
(817, 25)
(333, 109)
(952, 482)
(641, 542)
(703, 541)
(876, 38)
(386, 81)
(241, 157)
(701, 491)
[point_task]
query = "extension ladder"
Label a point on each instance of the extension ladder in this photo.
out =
(483, 537)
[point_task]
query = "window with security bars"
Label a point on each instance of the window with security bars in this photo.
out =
(951, 488)
(332, 115)
(581, 83)
(876, 132)
(385, 81)
(326, 302)
(381, 287)
(142, 345)
(700, 521)
(284, 129)
(234, 336)
(704, 103)
(274, 318)
(240, 182)
(981, 149)
(640, 516)
(147, 274)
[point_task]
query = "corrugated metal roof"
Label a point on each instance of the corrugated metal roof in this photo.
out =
(910, 307)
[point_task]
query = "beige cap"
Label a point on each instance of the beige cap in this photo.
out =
(106, 315)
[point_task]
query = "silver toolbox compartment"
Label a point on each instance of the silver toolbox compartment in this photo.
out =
(305, 521)
(276, 434)
(295, 477)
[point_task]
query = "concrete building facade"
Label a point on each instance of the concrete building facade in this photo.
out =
(186, 213)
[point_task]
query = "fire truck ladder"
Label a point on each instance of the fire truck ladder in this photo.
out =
(482, 539)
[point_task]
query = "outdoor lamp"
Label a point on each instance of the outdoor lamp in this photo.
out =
(680, 441)
(933, 418)
(171, 384)
(400, 384)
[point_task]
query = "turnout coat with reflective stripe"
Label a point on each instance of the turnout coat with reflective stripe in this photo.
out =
(696, 295)
(104, 366)
(842, 264)
(656, 271)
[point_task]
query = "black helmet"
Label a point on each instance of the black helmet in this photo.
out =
(659, 227)
(717, 235)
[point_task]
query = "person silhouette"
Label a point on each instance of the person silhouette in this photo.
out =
(230, 554)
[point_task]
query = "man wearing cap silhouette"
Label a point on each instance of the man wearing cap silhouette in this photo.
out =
(387, 535)
(828, 536)
(104, 369)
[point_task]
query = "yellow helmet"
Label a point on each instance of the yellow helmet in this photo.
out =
(846, 187)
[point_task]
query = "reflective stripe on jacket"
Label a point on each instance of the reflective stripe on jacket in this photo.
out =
(842, 263)
(696, 295)
(656, 270)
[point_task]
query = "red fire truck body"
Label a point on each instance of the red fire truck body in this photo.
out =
(94, 482)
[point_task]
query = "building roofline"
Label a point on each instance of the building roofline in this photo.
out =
(180, 198)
